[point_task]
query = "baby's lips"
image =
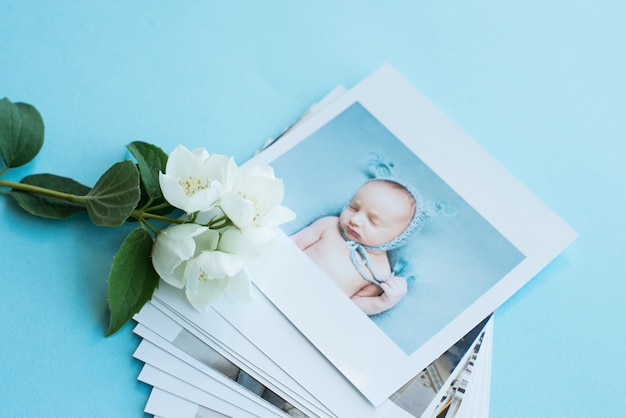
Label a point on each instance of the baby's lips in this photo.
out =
(351, 231)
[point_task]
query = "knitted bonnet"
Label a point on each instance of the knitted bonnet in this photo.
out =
(381, 171)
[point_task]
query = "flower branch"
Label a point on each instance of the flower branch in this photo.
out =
(29, 188)
(227, 223)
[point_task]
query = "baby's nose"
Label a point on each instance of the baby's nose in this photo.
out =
(356, 219)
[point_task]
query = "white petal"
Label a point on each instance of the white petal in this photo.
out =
(222, 169)
(240, 211)
(183, 163)
(167, 254)
(177, 278)
(215, 165)
(207, 241)
(201, 154)
(263, 238)
(217, 264)
(260, 171)
(260, 236)
(184, 231)
(192, 273)
(234, 241)
(172, 247)
(206, 293)
(278, 215)
(232, 177)
(208, 216)
(266, 192)
(178, 158)
(172, 192)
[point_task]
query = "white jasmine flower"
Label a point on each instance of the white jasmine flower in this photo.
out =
(235, 241)
(195, 180)
(256, 200)
(230, 224)
(177, 244)
(212, 273)
(209, 291)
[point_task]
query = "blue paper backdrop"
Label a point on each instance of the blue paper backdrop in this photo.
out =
(539, 84)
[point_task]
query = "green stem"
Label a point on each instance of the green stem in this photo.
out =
(147, 224)
(157, 207)
(218, 222)
(146, 207)
(43, 191)
(139, 215)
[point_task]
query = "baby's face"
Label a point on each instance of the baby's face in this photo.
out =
(378, 212)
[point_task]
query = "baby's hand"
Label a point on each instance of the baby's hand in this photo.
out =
(394, 289)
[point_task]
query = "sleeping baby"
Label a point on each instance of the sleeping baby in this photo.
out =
(352, 248)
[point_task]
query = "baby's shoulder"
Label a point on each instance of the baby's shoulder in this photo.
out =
(327, 221)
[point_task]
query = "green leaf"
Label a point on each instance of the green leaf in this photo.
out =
(115, 195)
(21, 133)
(10, 126)
(150, 160)
(50, 207)
(132, 280)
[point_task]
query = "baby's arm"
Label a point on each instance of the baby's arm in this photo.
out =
(393, 289)
(311, 234)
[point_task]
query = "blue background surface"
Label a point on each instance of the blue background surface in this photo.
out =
(539, 84)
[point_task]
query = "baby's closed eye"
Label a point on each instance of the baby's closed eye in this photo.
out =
(376, 220)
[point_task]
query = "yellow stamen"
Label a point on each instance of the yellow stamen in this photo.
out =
(194, 185)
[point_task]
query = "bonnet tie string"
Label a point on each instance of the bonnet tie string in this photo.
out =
(361, 262)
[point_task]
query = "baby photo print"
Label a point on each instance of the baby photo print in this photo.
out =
(408, 234)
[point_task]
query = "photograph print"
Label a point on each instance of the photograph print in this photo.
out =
(408, 234)
(387, 231)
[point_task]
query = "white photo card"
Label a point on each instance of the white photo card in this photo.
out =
(413, 399)
(485, 238)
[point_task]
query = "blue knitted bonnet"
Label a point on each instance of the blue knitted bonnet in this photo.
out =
(381, 171)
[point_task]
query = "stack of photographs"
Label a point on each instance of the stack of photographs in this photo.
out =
(323, 337)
